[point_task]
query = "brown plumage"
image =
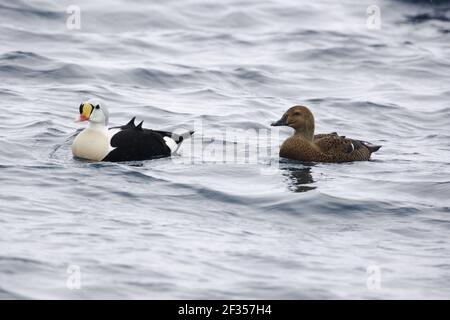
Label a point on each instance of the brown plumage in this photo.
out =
(303, 145)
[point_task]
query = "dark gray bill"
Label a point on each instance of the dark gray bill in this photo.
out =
(281, 122)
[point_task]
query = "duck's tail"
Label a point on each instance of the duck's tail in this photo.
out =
(372, 147)
(179, 138)
(187, 135)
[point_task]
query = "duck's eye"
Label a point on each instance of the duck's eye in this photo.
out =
(296, 113)
(97, 107)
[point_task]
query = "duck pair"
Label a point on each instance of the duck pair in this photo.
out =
(132, 142)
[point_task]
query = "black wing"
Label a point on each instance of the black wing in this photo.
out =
(136, 144)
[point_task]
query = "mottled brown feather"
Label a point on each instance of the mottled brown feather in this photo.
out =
(305, 146)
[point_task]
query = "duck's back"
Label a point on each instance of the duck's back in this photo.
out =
(343, 149)
(134, 144)
(327, 148)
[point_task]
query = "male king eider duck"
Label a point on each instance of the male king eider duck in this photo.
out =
(303, 145)
(125, 143)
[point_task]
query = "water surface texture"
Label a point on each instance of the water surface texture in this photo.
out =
(200, 225)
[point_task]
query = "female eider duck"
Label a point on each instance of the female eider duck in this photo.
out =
(303, 145)
(124, 143)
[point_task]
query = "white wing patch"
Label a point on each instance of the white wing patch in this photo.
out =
(112, 133)
(173, 146)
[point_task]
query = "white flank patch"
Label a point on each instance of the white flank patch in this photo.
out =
(111, 133)
(173, 146)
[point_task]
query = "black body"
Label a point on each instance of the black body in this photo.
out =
(133, 143)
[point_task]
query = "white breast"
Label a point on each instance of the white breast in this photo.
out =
(92, 144)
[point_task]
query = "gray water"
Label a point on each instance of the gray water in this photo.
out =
(199, 226)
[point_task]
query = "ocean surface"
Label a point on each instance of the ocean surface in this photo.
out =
(226, 217)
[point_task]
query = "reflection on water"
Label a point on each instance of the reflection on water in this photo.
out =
(300, 179)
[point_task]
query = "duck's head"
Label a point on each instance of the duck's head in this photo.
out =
(299, 118)
(94, 111)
